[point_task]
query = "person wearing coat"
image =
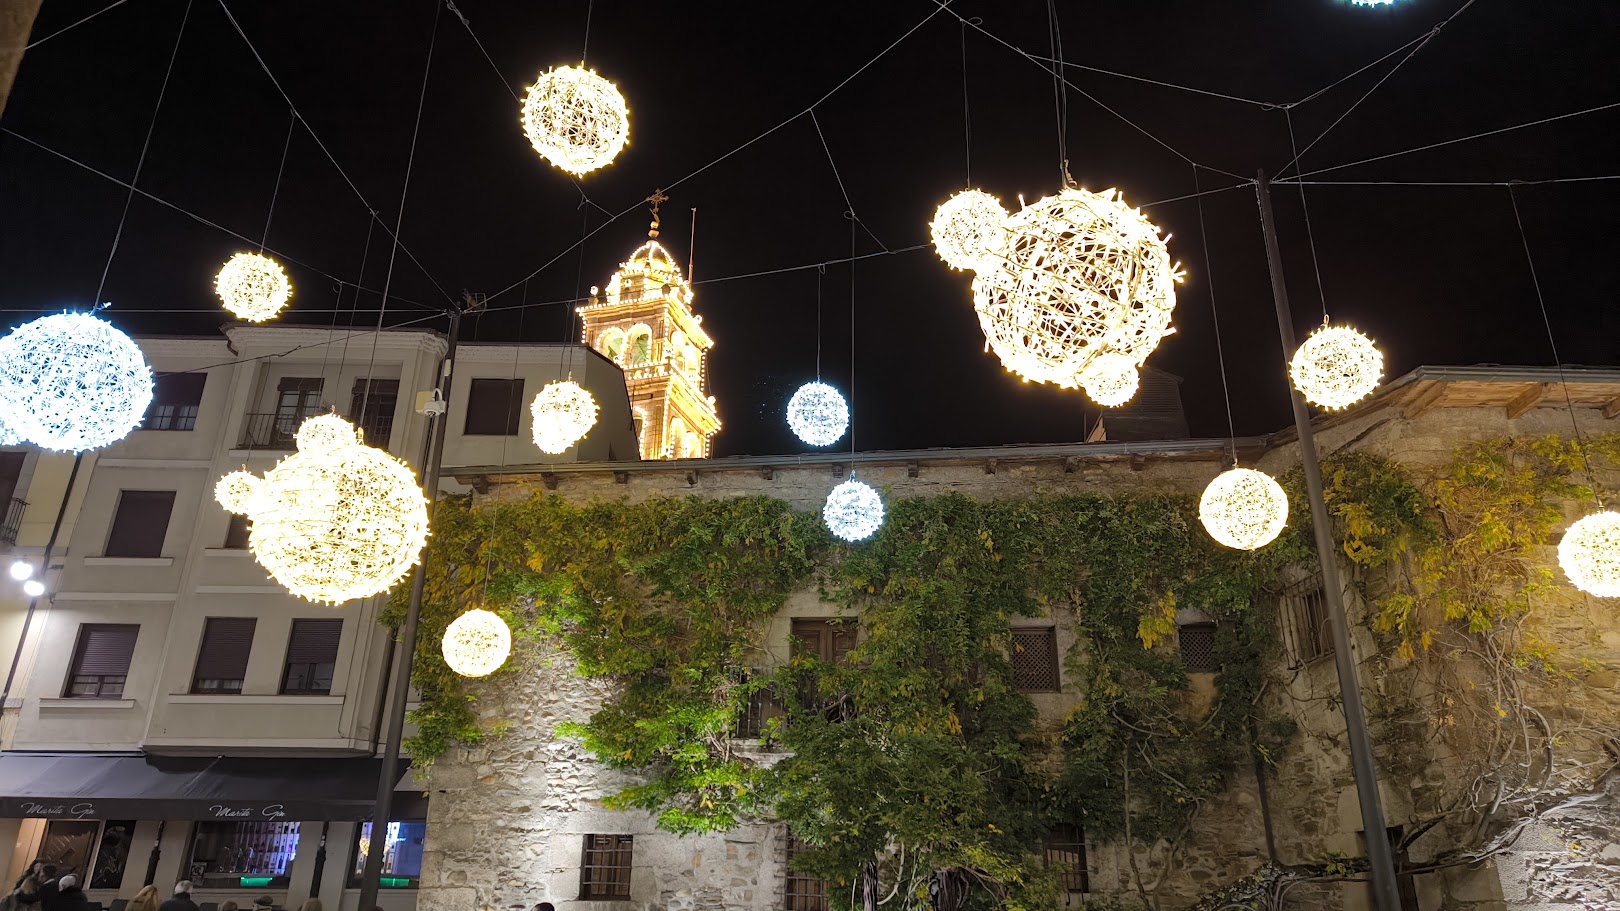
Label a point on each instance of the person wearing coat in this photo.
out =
(69, 897)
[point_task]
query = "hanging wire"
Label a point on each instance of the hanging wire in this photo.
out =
(579, 279)
(967, 112)
(589, 5)
(1060, 101)
(1215, 317)
(852, 258)
(1541, 301)
(111, 6)
(285, 147)
(1321, 291)
(140, 162)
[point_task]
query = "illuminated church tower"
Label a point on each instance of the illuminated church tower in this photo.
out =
(643, 321)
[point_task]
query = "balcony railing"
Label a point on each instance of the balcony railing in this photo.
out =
(280, 430)
(13, 522)
(765, 705)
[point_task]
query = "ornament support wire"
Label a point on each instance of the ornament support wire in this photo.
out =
(1310, 236)
(967, 112)
(1060, 100)
(285, 147)
(1558, 362)
(1215, 318)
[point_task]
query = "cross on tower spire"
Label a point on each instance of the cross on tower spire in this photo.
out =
(655, 200)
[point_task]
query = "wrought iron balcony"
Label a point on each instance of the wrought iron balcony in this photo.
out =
(13, 522)
(279, 430)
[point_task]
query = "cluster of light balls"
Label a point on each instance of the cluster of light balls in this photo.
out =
(334, 521)
(853, 511)
(476, 643)
(966, 228)
(1590, 554)
(817, 414)
(253, 286)
(1243, 508)
(575, 119)
(71, 382)
(1336, 367)
(1077, 290)
(562, 413)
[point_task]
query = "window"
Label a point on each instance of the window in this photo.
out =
(827, 639)
(611, 344)
(140, 523)
(223, 657)
(311, 657)
(492, 407)
(68, 844)
(377, 402)
(1035, 659)
(802, 892)
(113, 854)
(236, 533)
(297, 398)
(101, 660)
(175, 400)
(242, 855)
(604, 873)
(1197, 642)
(1066, 848)
(640, 346)
(691, 446)
(402, 854)
(1302, 612)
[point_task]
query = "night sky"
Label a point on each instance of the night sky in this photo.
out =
(1436, 275)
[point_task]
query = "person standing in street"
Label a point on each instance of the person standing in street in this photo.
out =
(69, 897)
(182, 898)
(45, 894)
(144, 900)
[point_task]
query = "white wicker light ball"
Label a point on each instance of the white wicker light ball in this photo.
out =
(563, 413)
(575, 119)
(235, 491)
(1243, 508)
(71, 382)
(253, 286)
(1111, 380)
(853, 511)
(1336, 367)
(818, 414)
(8, 434)
(1590, 554)
(336, 520)
(477, 643)
(1076, 275)
(966, 228)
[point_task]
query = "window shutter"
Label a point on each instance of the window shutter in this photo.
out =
(105, 649)
(236, 533)
(226, 644)
(493, 407)
(179, 389)
(314, 641)
(1035, 659)
(140, 523)
(1197, 642)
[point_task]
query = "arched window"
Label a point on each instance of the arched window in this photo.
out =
(677, 432)
(611, 344)
(693, 360)
(691, 446)
(676, 350)
(640, 347)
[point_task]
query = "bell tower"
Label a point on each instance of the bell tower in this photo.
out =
(642, 320)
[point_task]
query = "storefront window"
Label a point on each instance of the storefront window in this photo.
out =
(402, 854)
(113, 855)
(68, 843)
(242, 855)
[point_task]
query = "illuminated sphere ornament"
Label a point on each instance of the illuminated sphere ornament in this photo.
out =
(8, 434)
(563, 413)
(1243, 508)
(1590, 554)
(1111, 380)
(235, 491)
(1075, 276)
(966, 228)
(853, 511)
(72, 382)
(817, 414)
(336, 520)
(1336, 367)
(477, 643)
(575, 119)
(253, 286)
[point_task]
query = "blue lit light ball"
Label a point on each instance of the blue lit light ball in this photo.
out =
(853, 511)
(817, 414)
(71, 382)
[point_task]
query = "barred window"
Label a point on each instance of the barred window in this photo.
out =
(1035, 659)
(1197, 647)
(1302, 614)
(801, 891)
(605, 870)
(1065, 849)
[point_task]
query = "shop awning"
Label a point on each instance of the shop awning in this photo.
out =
(101, 786)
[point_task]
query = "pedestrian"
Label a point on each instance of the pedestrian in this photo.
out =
(69, 897)
(181, 900)
(263, 903)
(44, 893)
(27, 886)
(32, 871)
(311, 904)
(144, 900)
(227, 906)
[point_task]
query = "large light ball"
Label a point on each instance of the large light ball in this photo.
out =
(1076, 275)
(253, 286)
(1243, 508)
(575, 119)
(853, 511)
(8, 434)
(966, 228)
(817, 414)
(1336, 367)
(477, 643)
(563, 413)
(1590, 554)
(1111, 380)
(336, 520)
(71, 382)
(235, 491)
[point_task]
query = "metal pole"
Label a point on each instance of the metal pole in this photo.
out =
(1385, 891)
(405, 654)
(44, 579)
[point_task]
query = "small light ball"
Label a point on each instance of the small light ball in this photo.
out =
(72, 382)
(33, 588)
(1075, 276)
(235, 491)
(966, 228)
(817, 414)
(1590, 554)
(563, 413)
(477, 643)
(253, 286)
(1336, 367)
(853, 511)
(1243, 508)
(575, 119)
(21, 571)
(1112, 380)
(325, 433)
